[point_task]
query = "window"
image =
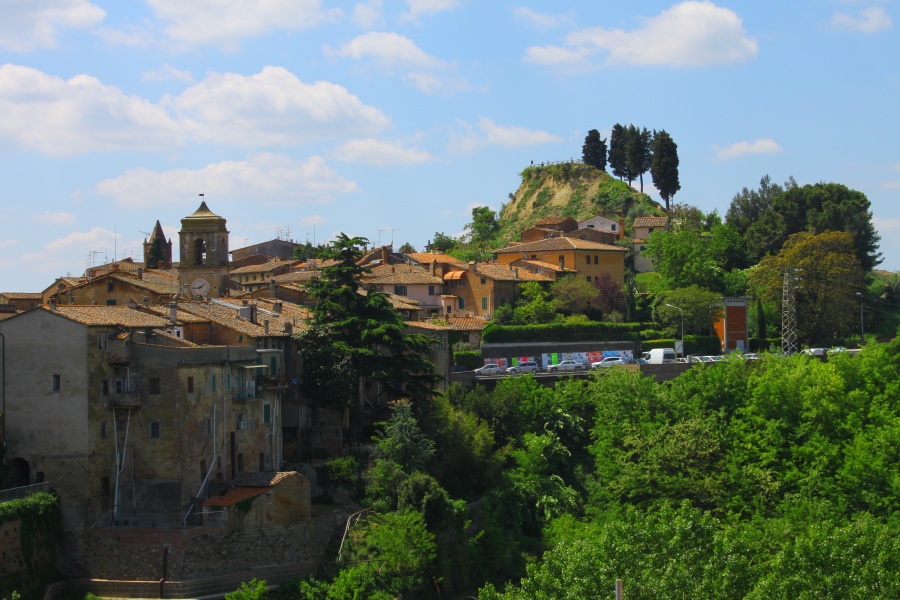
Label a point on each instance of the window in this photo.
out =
(449, 309)
(153, 385)
(120, 386)
(431, 290)
(273, 365)
(650, 230)
(562, 261)
(483, 280)
(240, 422)
(612, 227)
(587, 259)
(57, 383)
(588, 278)
(465, 338)
(462, 304)
(240, 338)
(267, 413)
(104, 429)
(590, 226)
(102, 341)
(110, 286)
(642, 248)
(213, 383)
(596, 259)
(190, 385)
(240, 462)
(111, 302)
(400, 290)
(262, 461)
(533, 256)
(483, 303)
(154, 430)
(228, 381)
(104, 387)
(209, 427)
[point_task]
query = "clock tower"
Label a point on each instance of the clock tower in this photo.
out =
(203, 270)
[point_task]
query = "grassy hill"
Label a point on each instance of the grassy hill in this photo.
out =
(571, 190)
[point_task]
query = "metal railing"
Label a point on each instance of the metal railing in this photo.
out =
(24, 491)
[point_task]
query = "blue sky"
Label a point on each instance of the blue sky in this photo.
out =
(391, 120)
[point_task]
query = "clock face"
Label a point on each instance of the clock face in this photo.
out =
(200, 287)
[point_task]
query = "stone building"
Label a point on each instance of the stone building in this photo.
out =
(203, 268)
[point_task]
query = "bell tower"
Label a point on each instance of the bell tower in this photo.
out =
(203, 240)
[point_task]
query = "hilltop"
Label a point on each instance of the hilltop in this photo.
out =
(571, 190)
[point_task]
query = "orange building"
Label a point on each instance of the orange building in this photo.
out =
(589, 259)
(731, 326)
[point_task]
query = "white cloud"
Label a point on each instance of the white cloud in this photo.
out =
(887, 228)
(891, 185)
(94, 239)
(201, 22)
(266, 179)
(380, 153)
(388, 49)
(273, 107)
(540, 20)
(691, 33)
(418, 8)
(8, 243)
(870, 20)
(431, 83)
(367, 15)
(760, 146)
(30, 25)
(53, 218)
(167, 73)
(313, 220)
(490, 133)
(62, 117)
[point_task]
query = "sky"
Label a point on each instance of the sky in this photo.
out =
(391, 120)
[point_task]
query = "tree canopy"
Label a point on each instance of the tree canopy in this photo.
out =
(593, 152)
(664, 166)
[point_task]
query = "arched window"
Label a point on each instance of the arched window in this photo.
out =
(199, 252)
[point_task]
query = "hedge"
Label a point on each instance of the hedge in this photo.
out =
(469, 359)
(561, 332)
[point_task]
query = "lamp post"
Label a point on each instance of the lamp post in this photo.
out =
(682, 326)
(862, 333)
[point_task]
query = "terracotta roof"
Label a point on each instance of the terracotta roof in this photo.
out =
(235, 496)
(559, 243)
(508, 273)
(428, 325)
(466, 323)
(122, 316)
(263, 268)
(296, 276)
(651, 221)
(22, 295)
(425, 258)
(159, 282)
(229, 316)
(541, 264)
(553, 220)
(401, 275)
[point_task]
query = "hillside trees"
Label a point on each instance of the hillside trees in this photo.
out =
(593, 152)
(830, 276)
(638, 153)
(664, 166)
(618, 158)
(691, 257)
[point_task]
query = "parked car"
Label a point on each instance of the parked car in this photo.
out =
(609, 361)
(660, 356)
(526, 366)
(566, 366)
(813, 351)
(489, 370)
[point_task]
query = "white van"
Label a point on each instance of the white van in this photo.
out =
(659, 356)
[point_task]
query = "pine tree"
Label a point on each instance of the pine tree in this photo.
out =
(664, 166)
(593, 152)
(618, 161)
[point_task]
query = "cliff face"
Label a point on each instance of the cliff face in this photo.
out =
(572, 190)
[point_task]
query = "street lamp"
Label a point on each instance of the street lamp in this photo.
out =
(862, 333)
(682, 326)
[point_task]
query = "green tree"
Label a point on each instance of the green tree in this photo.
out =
(407, 248)
(572, 295)
(664, 166)
(360, 330)
(618, 158)
(700, 308)
(484, 226)
(593, 152)
(688, 257)
(442, 242)
(827, 305)
(638, 153)
(402, 441)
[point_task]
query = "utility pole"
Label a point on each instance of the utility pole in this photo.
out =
(789, 312)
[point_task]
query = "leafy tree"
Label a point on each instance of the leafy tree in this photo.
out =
(359, 334)
(664, 166)
(688, 257)
(402, 441)
(407, 248)
(610, 295)
(700, 308)
(572, 295)
(442, 242)
(637, 153)
(831, 276)
(534, 306)
(256, 589)
(618, 158)
(747, 212)
(484, 226)
(593, 152)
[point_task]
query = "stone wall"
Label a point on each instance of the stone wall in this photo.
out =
(185, 554)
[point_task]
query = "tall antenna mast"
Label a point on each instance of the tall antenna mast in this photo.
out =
(789, 311)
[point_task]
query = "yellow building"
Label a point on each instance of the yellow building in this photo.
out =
(589, 259)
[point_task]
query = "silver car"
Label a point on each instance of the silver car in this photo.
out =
(526, 366)
(566, 366)
(489, 370)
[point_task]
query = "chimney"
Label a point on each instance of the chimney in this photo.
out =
(52, 303)
(288, 328)
(266, 326)
(276, 307)
(517, 272)
(146, 300)
(140, 273)
(173, 313)
(272, 289)
(253, 313)
(384, 255)
(432, 268)
(393, 269)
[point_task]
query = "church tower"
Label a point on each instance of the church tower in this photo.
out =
(203, 270)
(157, 250)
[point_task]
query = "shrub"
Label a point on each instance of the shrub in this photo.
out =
(469, 359)
(569, 332)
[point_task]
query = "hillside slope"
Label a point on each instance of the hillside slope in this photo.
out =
(572, 190)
